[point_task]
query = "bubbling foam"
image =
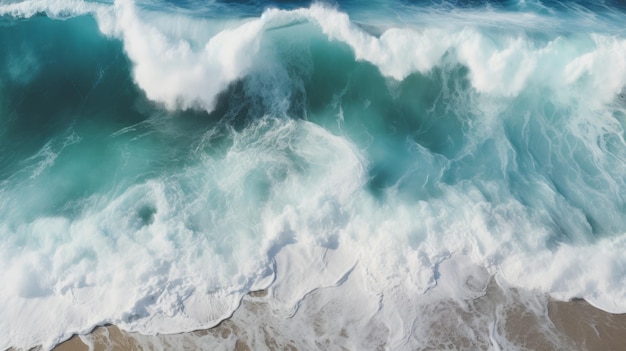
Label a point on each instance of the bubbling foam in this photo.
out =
(184, 247)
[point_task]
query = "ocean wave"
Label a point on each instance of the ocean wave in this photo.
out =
(196, 159)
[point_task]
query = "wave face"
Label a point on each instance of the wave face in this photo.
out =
(161, 159)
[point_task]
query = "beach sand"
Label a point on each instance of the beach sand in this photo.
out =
(571, 325)
(589, 327)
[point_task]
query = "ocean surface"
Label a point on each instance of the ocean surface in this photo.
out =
(160, 159)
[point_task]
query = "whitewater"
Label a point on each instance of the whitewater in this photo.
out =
(161, 159)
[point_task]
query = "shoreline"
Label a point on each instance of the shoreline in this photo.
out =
(573, 324)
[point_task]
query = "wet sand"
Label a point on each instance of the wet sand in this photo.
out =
(572, 325)
(589, 327)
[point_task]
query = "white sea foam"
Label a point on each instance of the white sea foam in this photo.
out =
(170, 70)
(52, 8)
(178, 74)
(498, 64)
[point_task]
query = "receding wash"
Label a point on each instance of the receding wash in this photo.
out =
(160, 159)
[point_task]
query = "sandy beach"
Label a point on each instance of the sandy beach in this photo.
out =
(572, 325)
